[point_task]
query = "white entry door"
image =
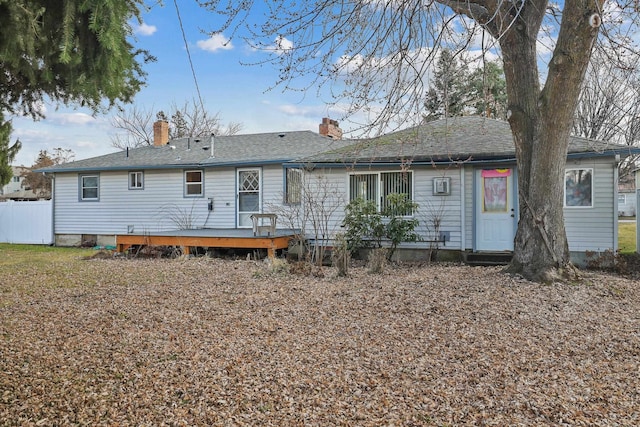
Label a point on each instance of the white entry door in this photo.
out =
(249, 195)
(495, 211)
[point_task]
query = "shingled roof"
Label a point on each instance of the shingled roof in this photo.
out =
(234, 150)
(450, 140)
(455, 139)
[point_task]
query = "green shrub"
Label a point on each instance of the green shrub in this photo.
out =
(367, 228)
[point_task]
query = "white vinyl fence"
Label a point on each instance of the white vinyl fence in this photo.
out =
(26, 222)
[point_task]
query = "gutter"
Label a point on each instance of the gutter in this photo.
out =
(165, 166)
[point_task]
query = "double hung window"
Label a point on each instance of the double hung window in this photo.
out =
(193, 183)
(89, 187)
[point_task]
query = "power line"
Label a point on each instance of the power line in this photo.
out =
(186, 45)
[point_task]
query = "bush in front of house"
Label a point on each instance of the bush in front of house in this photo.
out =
(366, 227)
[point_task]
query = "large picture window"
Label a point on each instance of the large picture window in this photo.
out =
(293, 187)
(377, 187)
(193, 183)
(578, 188)
(89, 187)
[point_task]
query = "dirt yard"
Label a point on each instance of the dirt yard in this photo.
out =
(206, 342)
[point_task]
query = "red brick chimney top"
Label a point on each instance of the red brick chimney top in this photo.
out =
(160, 133)
(330, 128)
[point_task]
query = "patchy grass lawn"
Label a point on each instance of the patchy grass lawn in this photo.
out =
(217, 342)
(627, 237)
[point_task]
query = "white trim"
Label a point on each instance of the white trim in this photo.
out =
(379, 184)
(185, 183)
(564, 185)
(463, 225)
(260, 187)
(138, 181)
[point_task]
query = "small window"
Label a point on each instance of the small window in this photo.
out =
(293, 187)
(578, 188)
(89, 187)
(193, 183)
(16, 179)
(136, 180)
(622, 199)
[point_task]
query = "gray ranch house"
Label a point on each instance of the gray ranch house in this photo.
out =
(210, 183)
(462, 174)
(460, 171)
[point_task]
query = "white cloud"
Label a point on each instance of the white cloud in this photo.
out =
(73, 118)
(214, 43)
(281, 45)
(144, 29)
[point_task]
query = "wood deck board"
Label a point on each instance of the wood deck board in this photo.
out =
(209, 238)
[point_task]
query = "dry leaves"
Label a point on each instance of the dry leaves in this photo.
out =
(230, 343)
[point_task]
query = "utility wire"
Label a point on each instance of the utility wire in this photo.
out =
(186, 45)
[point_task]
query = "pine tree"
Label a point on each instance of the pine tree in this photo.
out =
(7, 152)
(73, 51)
(487, 91)
(447, 95)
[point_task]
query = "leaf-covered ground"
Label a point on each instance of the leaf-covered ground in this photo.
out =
(229, 343)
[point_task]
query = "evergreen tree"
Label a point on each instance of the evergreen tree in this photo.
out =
(8, 152)
(73, 51)
(447, 96)
(455, 90)
(487, 91)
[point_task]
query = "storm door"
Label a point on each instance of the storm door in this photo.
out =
(249, 195)
(496, 219)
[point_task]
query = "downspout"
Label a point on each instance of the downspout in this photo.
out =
(463, 204)
(637, 172)
(615, 203)
(53, 209)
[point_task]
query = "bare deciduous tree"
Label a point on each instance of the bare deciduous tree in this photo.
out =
(381, 51)
(187, 120)
(38, 182)
(318, 201)
(609, 106)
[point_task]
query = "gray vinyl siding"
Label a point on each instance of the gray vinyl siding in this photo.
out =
(160, 206)
(221, 187)
(155, 208)
(272, 187)
(332, 187)
(447, 208)
(593, 228)
(468, 207)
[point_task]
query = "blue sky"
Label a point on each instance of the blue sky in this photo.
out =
(239, 93)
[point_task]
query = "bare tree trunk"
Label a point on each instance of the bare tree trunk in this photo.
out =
(541, 122)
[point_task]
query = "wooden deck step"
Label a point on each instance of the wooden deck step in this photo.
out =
(488, 258)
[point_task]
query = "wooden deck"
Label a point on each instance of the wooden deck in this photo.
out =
(208, 238)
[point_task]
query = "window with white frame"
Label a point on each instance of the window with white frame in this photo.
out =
(293, 187)
(622, 199)
(193, 183)
(377, 187)
(89, 187)
(578, 188)
(136, 180)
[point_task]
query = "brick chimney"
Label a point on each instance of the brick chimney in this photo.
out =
(160, 133)
(330, 128)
